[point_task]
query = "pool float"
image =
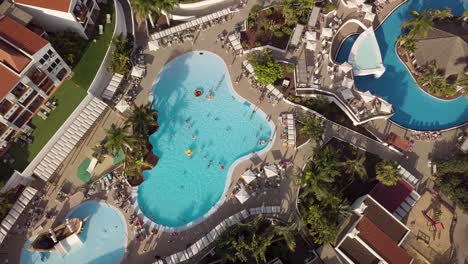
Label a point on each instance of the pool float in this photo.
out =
(188, 152)
(198, 93)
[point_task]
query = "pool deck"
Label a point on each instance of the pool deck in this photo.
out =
(164, 244)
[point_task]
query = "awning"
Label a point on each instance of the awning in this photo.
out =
(347, 94)
(367, 97)
(311, 45)
(399, 142)
(122, 106)
(270, 171)
(311, 35)
(248, 176)
(347, 82)
(138, 71)
(385, 107)
(242, 195)
(369, 17)
(327, 32)
(153, 45)
(296, 37)
(345, 67)
(314, 16)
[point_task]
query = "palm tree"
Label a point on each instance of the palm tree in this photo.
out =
(387, 172)
(142, 120)
(288, 232)
(355, 167)
(407, 42)
(435, 83)
(134, 166)
(117, 139)
(419, 25)
(144, 8)
(166, 6)
(312, 128)
(442, 14)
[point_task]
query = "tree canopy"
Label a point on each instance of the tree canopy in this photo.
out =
(267, 70)
(387, 172)
(452, 180)
(312, 127)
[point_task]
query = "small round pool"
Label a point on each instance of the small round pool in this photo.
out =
(104, 238)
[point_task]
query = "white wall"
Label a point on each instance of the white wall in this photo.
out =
(53, 20)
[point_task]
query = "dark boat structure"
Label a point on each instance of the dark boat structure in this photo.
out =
(60, 238)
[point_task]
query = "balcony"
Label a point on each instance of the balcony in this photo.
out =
(23, 119)
(80, 12)
(19, 90)
(5, 106)
(29, 98)
(34, 106)
(47, 86)
(15, 114)
(36, 76)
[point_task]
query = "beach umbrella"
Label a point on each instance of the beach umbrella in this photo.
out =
(345, 67)
(270, 171)
(242, 195)
(367, 97)
(248, 176)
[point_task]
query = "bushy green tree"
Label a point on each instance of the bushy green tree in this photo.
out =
(387, 172)
(452, 180)
(435, 83)
(312, 127)
(267, 70)
(121, 55)
(294, 9)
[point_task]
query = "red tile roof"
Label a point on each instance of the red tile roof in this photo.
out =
(12, 57)
(391, 197)
(59, 5)
(381, 243)
(21, 36)
(8, 80)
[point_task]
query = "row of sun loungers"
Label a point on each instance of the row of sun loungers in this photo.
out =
(112, 87)
(407, 176)
(223, 14)
(15, 212)
(289, 133)
(205, 241)
(69, 139)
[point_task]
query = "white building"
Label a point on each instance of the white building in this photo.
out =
(79, 16)
(30, 72)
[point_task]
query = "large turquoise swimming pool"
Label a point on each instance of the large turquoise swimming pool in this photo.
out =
(413, 107)
(104, 238)
(181, 188)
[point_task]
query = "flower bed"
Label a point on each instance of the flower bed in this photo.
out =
(266, 27)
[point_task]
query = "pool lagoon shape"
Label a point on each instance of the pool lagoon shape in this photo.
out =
(182, 188)
(104, 238)
(414, 108)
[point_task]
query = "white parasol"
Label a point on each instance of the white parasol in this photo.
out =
(270, 171)
(248, 176)
(242, 195)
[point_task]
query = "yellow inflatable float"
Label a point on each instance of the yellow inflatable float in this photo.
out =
(188, 152)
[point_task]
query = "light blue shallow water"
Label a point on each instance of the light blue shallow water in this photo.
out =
(367, 53)
(413, 107)
(181, 189)
(104, 238)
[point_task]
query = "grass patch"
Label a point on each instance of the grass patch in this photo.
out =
(68, 97)
(82, 172)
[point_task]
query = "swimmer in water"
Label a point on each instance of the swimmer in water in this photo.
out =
(187, 121)
(194, 136)
(216, 119)
(210, 163)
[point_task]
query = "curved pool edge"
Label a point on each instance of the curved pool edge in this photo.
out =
(222, 199)
(333, 60)
(99, 201)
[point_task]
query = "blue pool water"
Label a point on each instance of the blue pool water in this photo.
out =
(181, 189)
(413, 107)
(104, 238)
